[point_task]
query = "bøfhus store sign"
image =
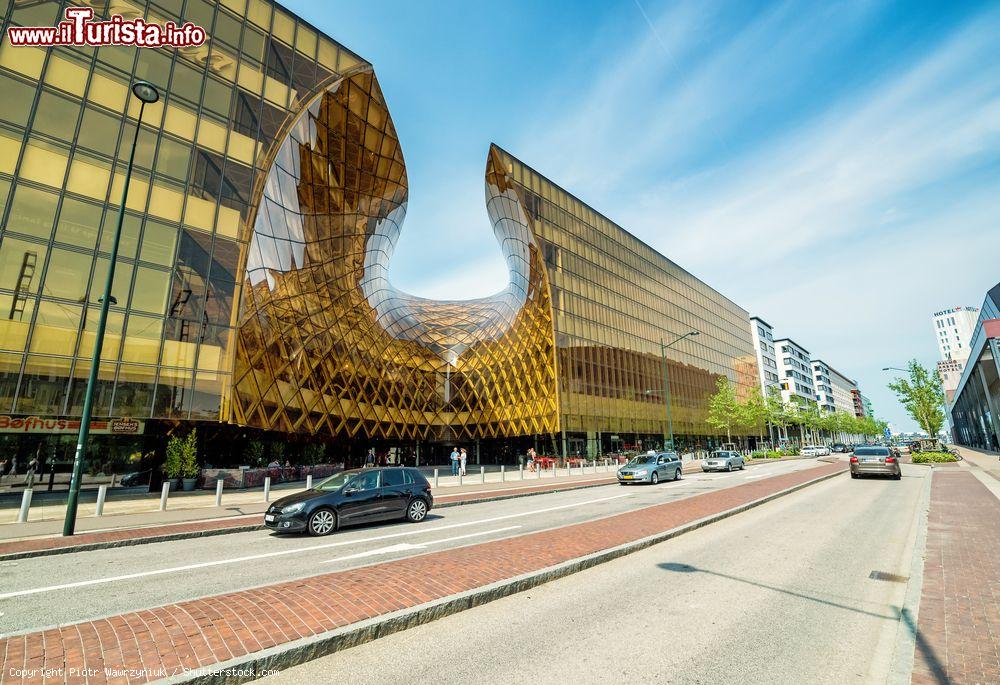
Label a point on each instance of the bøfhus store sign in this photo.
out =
(48, 426)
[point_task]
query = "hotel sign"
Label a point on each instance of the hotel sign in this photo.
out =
(36, 425)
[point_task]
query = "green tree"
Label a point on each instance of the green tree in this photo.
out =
(753, 413)
(182, 456)
(723, 408)
(922, 397)
(777, 415)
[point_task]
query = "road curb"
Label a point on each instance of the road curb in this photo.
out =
(250, 667)
(168, 537)
(901, 666)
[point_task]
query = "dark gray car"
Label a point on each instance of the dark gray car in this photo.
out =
(651, 468)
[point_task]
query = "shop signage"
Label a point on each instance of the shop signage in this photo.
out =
(36, 425)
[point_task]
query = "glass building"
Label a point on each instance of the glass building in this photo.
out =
(975, 406)
(252, 289)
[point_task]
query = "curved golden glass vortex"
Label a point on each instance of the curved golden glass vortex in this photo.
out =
(326, 345)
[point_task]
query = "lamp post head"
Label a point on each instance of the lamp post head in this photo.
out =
(145, 91)
(694, 333)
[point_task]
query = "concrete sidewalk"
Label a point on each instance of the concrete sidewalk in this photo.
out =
(229, 638)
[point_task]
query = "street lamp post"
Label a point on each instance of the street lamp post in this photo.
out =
(147, 94)
(666, 383)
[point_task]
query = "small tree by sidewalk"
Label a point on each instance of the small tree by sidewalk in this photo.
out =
(182, 456)
(723, 407)
(922, 396)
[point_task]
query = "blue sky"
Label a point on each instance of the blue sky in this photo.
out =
(831, 167)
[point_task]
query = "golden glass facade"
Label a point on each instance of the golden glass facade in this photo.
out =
(614, 300)
(327, 345)
(64, 143)
(252, 286)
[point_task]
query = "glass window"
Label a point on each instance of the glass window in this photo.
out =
(32, 211)
(145, 148)
(392, 477)
(56, 116)
(21, 264)
(102, 390)
(173, 158)
(154, 66)
(142, 339)
(79, 223)
(55, 329)
(10, 369)
(43, 386)
(159, 241)
(173, 397)
(134, 391)
(129, 241)
(217, 96)
(112, 335)
(99, 131)
(151, 288)
(119, 56)
(67, 274)
(366, 481)
(120, 286)
(206, 402)
(15, 105)
(186, 82)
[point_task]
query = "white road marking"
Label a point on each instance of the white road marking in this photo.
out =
(406, 546)
(528, 487)
(286, 552)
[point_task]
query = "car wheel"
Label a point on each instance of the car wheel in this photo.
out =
(322, 522)
(677, 473)
(417, 511)
(743, 465)
(729, 467)
(854, 475)
(654, 479)
(898, 476)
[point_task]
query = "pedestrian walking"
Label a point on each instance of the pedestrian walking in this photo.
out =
(13, 467)
(464, 457)
(370, 458)
(531, 458)
(3, 469)
(455, 456)
(29, 475)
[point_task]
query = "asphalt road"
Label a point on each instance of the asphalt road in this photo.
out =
(46, 591)
(778, 594)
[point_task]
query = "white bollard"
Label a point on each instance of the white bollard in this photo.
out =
(22, 515)
(163, 495)
(460, 476)
(482, 475)
(538, 471)
(102, 493)
(267, 488)
(503, 476)
(309, 482)
(520, 471)
(436, 477)
(219, 484)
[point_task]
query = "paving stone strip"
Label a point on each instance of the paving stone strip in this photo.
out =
(958, 622)
(183, 641)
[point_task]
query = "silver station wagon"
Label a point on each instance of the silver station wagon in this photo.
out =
(651, 468)
(723, 460)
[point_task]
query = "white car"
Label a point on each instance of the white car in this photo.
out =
(723, 460)
(814, 451)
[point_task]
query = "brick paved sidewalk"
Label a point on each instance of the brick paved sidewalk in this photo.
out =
(156, 533)
(958, 631)
(171, 639)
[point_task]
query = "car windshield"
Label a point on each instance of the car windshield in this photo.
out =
(645, 459)
(336, 481)
(871, 452)
(720, 455)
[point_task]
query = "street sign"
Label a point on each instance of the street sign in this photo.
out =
(888, 434)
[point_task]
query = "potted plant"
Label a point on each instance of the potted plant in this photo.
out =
(182, 460)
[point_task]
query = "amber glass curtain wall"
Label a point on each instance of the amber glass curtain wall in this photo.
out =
(252, 284)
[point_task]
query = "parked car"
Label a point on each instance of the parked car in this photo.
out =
(723, 460)
(134, 479)
(814, 451)
(840, 447)
(351, 497)
(875, 461)
(651, 468)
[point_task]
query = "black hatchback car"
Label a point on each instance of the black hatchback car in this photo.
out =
(350, 497)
